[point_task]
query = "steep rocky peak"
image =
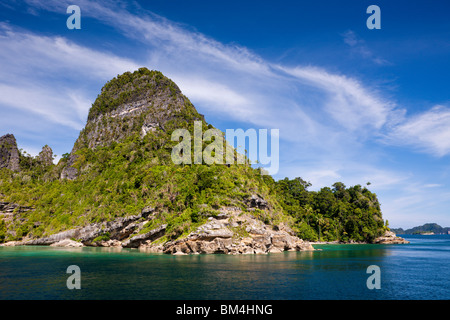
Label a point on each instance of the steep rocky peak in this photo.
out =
(140, 87)
(9, 154)
(131, 103)
(45, 157)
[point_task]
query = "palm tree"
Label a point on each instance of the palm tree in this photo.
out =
(320, 222)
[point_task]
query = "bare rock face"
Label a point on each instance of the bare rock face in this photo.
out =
(108, 243)
(45, 157)
(9, 211)
(390, 238)
(256, 201)
(69, 173)
(9, 154)
(137, 240)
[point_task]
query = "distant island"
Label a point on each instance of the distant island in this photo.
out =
(427, 228)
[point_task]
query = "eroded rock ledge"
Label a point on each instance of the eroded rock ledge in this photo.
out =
(117, 231)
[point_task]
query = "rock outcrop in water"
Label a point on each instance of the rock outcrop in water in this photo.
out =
(67, 243)
(236, 233)
(390, 238)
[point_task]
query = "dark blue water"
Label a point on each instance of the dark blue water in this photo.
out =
(419, 270)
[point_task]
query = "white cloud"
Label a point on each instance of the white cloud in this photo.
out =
(224, 78)
(332, 104)
(428, 131)
(323, 177)
(433, 185)
(40, 101)
(412, 205)
(349, 102)
(217, 95)
(48, 75)
(27, 54)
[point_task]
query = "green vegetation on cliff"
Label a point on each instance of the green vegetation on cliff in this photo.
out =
(426, 228)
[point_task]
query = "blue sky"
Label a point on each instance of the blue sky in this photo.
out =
(352, 104)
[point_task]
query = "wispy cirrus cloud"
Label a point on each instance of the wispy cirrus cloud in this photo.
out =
(433, 185)
(359, 47)
(348, 102)
(42, 102)
(428, 131)
(26, 53)
(44, 72)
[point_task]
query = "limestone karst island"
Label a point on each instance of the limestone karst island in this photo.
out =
(119, 187)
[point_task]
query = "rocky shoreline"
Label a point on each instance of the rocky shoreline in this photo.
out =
(224, 234)
(389, 237)
(230, 232)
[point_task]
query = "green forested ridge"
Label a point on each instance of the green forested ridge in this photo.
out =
(121, 178)
(425, 228)
(337, 213)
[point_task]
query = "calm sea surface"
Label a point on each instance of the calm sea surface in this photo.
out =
(419, 270)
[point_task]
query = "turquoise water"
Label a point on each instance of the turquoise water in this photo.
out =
(419, 270)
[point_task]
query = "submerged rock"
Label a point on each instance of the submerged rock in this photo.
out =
(67, 243)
